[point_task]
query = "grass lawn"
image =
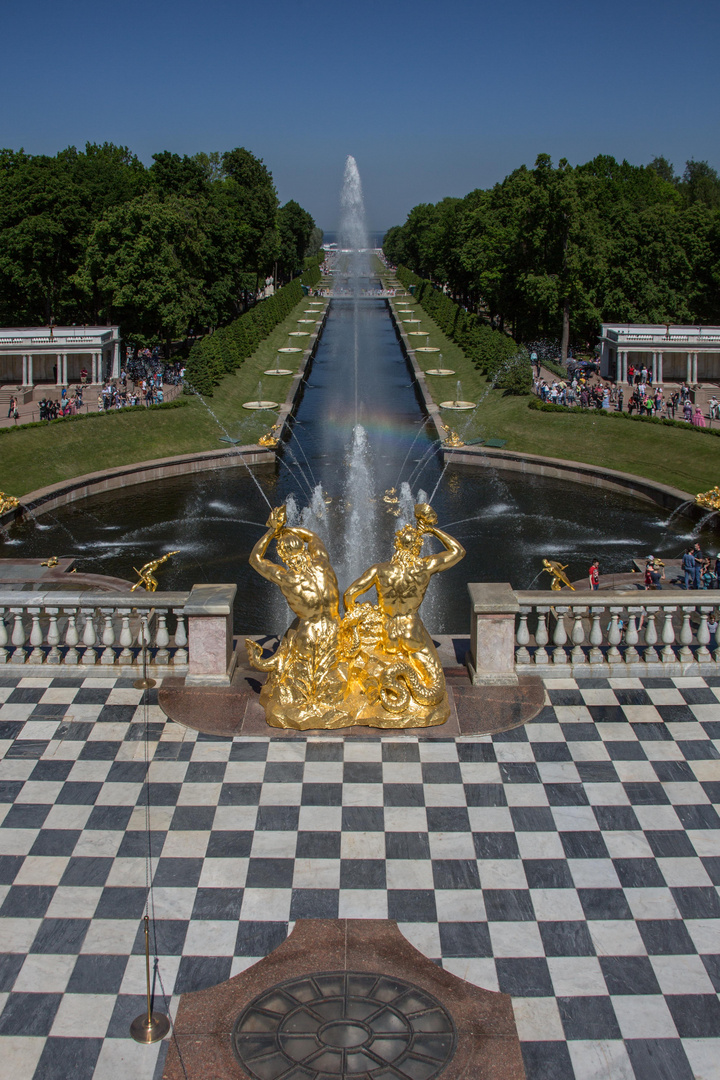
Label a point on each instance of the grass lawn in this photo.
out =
(683, 459)
(35, 457)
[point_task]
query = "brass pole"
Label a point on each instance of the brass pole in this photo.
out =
(151, 1026)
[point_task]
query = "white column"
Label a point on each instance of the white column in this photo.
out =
(694, 368)
(688, 373)
(116, 360)
(59, 367)
(93, 368)
(624, 366)
(31, 381)
(654, 367)
(24, 370)
(660, 367)
(65, 368)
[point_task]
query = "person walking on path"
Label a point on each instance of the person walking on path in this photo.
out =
(698, 418)
(688, 566)
(594, 575)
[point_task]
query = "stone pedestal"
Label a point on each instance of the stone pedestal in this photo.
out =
(492, 635)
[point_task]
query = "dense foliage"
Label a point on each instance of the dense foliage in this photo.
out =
(165, 251)
(223, 351)
(555, 251)
(493, 352)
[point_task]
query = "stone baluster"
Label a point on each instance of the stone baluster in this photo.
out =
(650, 655)
(162, 639)
(704, 655)
(541, 636)
(108, 636)
(71, 636)
(614, 636)
(3, 638)
(53, 636)
(89, 636)
(686, 636)
(522, 638)
(560, 637)
(181, 652)
(596, 636)
(37, 656)
(668, 636)
(126, 636)
(632, 636)
(18, 638)
(578, 637)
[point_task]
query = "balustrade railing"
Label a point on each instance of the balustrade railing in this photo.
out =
(664, 632)
(172, 633)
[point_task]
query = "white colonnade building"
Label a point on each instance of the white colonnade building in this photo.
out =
(56, 355)
(688, 354)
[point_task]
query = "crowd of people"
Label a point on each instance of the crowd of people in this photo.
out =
(641, 398)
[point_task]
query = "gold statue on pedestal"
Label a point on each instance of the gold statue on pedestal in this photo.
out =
(559, 578)
(146, 573)
(378, 666)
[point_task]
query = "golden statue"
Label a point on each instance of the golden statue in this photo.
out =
(52, 561)
(378, 667)
(453, 440)
(270, 439)
(8, 502)
(306, 684)
(709, 499)
(146, 573)
(558, 575)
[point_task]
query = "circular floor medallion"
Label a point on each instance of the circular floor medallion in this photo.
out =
(344, 1024)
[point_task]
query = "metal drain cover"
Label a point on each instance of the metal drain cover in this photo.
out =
(344, 1024)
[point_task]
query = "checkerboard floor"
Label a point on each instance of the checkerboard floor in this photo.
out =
(573, 863)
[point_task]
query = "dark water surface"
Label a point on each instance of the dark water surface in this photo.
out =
(507, 522)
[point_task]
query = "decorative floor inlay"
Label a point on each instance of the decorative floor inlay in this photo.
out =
(344, 1023)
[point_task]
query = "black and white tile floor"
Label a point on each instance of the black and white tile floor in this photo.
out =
(572, 863)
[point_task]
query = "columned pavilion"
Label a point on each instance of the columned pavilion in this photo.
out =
(688, 354)
(57, 354)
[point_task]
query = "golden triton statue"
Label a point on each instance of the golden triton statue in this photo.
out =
(146, 573)
(558, 574)
(378, 667)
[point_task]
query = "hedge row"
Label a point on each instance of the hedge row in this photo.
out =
(493, 353)
(538, 405)
(176, 403)
(223, 351)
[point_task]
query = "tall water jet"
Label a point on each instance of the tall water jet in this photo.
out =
(360, 525)
(353, 229)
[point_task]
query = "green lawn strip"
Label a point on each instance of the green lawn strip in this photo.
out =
(684, 459)
(38, 456)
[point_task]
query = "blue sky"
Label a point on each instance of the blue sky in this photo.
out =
(432, 99)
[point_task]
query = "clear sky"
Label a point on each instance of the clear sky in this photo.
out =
(432, 98)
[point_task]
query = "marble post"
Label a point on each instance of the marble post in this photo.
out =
(492, 635)
(211, 657)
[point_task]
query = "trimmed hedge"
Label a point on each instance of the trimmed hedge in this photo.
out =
(176, 403)
(223, 351)
(493, 353)
(538, 405)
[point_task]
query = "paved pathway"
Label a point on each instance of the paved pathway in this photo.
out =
(573, 863)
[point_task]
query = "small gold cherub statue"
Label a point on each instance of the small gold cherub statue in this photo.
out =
(52, 561)
(146, 573)
(8, 502)
(558, 576)
(453, 440)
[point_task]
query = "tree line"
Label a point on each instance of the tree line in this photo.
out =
(167, 251)
(553, 251)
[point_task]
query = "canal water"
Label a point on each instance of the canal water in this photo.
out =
(359, 431)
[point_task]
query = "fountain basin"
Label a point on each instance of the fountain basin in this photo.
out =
(300, 333)
(289, 349)
(278, 371)
(457, 406)
(417, 333)
(311, 322)
(426, 348)
(438, 370)
(261, 405)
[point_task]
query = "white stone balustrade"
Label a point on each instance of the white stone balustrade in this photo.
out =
(188, 634)
(599, 633)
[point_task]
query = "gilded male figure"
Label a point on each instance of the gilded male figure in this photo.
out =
(414, 672)
(305, 681)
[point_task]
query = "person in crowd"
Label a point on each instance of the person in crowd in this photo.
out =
(12, 408)
(688, 568)
(699, 563)
(653, 576)
(698, 418)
